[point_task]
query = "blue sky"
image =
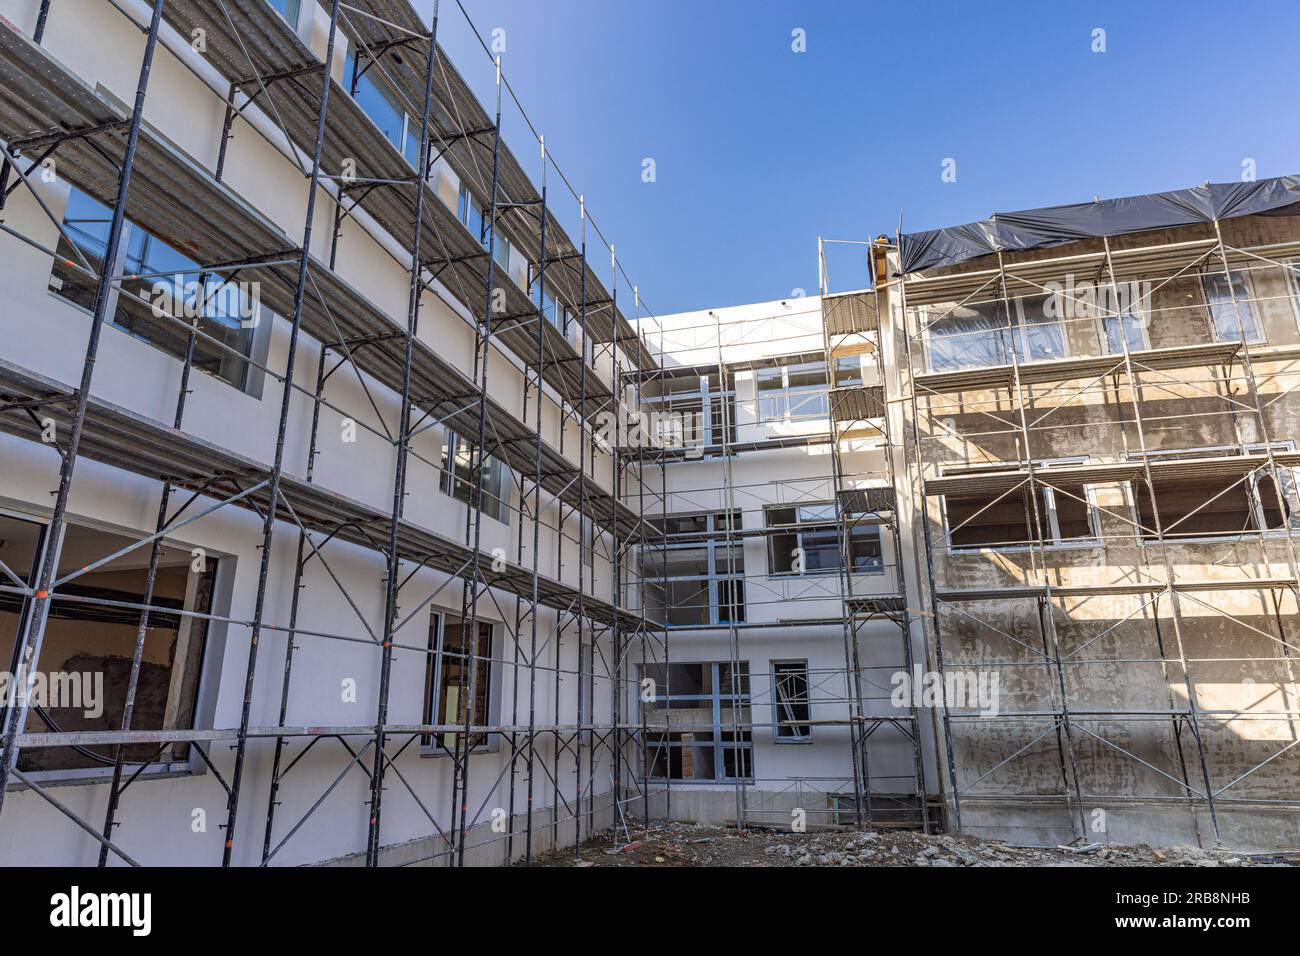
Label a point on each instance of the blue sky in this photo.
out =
(758, 150)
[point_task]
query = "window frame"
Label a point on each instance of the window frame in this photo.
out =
(495, 504)
(1133, 490)
(297, 13)
(1095, 540)
(433, 676)
(708, 403)
(797, 735)
(1291, 268)
(207, 681)
(1138, 312)
(1242, 308)
(799, 528)
(713, 579)
(791, 396)
(718, 699)
(1014, 338)
(259, 341)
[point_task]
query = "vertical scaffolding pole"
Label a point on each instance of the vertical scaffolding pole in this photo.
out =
(733, 632)
(399, 476)
(583, 441)
(474, 515)
(33, 634)
(1039, 555)
(1171, 574)
(268, 527)
(936, 633)
(537, 525)
(151, 573)
(295, 600)
(618, 690)
(852, 674)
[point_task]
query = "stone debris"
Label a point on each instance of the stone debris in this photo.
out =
(686, 844)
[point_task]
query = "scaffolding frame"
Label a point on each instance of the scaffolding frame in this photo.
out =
(850, 799)
(1131, 380)
(249, 36)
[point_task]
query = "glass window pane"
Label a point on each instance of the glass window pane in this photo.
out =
(966, 337)
(1219, 295)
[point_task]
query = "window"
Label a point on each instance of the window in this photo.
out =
(555, 311)
(458, 480)
(288, 9)
(164, 283)
(85, 661)
(696, 578)
(411, 141)
(588, 542)
(698, 722)
(1291, 267)
(848, 371)
(377, 103)
(998, 520)
(501, 253)
(1132, 325)
(1208, 505)
(693, 411)
(790, 700)
(806, 540)
(1220, 291)
(792, 393)
(470, 211)
(979, 334)
(585, 681)
(459, 670)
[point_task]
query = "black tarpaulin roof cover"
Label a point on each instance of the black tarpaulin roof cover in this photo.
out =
(1058, 225)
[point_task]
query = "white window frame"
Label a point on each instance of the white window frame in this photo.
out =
(297, 17)
(789, 400)
(1140, 314)
(1049, 513)
(1287, 476)
(820, 527)
(1292, 269)
(1017, 328)
(1259, 338)
(206, 683)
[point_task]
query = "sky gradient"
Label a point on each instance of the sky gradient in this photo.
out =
(758, 149)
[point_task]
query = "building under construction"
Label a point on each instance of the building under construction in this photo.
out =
(396, 530)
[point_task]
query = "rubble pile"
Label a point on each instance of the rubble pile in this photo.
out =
(685, 844)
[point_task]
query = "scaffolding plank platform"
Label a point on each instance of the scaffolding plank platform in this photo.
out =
(1120, 588)
(1062, 370)
(123, 439)
(975, 481)
(261, 33)
(179, 201)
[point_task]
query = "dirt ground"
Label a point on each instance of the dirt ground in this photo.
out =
(697, 845)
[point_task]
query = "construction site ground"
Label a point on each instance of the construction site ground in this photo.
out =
(700, 845)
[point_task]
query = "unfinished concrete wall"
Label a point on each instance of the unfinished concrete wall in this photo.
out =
(1120, 705)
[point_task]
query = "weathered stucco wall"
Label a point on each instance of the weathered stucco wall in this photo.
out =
(1141, 676)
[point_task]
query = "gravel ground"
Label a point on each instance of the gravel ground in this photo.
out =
(685, 844)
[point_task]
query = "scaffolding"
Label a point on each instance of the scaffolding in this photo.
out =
(275, 85)
(851, 697)
(859, 415)
(1107, 521)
